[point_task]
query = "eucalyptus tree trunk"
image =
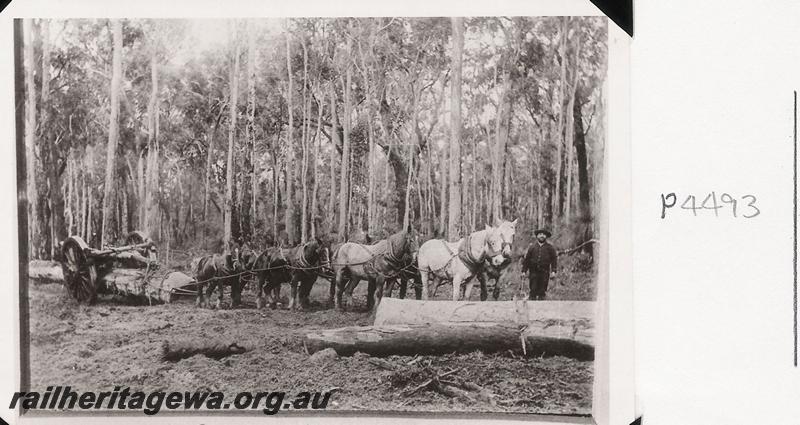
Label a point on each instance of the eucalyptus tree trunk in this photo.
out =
(289, 212)
(315, 187)
(335, 143)
(371, 150)
(228, 211)
(54, 200)
(113, 132)
(70, 196)
(431, 189)
(344, 184)
(406, 214)
(559, 139)
(275, 191)
(476, 195)
(499, 151)
(30, 143)
(209, 153)
(246, 213)
(443, 194)
(584, 185)
(89, 215)
(304, 165)
(569, 143)
(454, 213)
(540, 207)
(151, 216)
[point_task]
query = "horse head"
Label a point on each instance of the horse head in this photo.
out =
(324, 251)
(248, 258)
(233, 261)
(507, 230)
(494, 246)
(410, 242)
(313, 251)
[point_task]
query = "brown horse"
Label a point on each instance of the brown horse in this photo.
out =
(374, 263)
(492, 272)
(219, 270)
(408, 273)
(299, 266)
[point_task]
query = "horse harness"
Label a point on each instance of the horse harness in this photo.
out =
(389, 256)
(465, 255)
(300, 257)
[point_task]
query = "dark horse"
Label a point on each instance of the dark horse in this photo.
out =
(299, 265)
(408, 273)
(492, 272)
(374, 263)
(219, 270)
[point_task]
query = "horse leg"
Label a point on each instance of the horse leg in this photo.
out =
(236, 292)
(456, 286)
(482, 280)
(260, 292)
(306, 283)
(275, 290)
(403, 288)
(436, 282)
(496, 290)
(200, 302)
(417, 287)
(371, 282)
(210, 290)
(292, 302)
(423, 277)
(380, 281)
(468, 283)
(339, 283)
(332, 292)
(389, 287)
(352, 283)
(220, 291)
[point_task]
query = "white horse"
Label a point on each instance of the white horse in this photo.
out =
(460, 261)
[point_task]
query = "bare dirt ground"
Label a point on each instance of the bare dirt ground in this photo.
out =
(116, 344)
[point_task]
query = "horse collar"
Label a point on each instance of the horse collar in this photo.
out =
(301, 256)
(391, 257)
(465, 253)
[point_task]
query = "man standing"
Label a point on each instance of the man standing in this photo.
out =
(540, 261)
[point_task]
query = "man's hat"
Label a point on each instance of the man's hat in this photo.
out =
(546, 233)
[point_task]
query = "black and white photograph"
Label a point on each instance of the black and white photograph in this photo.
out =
(368, 214)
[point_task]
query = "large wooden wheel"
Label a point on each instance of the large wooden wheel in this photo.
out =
(138, 237)
(80, 274)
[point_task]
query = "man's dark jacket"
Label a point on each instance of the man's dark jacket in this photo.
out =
(540, 258)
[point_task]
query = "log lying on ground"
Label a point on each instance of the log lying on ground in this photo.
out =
(45, 271)
(182, 349)
(155, 286)
(552, 337)
(394, 311)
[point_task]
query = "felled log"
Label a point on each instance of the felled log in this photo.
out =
(568, 338)
(150, 285)
(573, 339)
(45, 271)
(183, 349)
(394, 311)
(154, 287)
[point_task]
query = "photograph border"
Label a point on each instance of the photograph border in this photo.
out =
(610, 298)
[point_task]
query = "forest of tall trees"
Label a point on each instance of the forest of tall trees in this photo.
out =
(346, 127)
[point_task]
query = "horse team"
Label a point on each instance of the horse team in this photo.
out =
(398, 259)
